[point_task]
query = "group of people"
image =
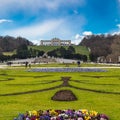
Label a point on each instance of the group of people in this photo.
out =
(62, 115)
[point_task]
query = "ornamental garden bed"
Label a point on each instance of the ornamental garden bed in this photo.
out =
(69, 114)
(68, 69)
(98, 91)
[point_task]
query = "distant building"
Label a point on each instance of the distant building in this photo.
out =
(56, 42)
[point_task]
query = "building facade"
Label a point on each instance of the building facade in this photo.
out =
(56, 42)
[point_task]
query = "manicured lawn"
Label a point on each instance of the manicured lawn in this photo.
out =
(66, 65)
(20, 91)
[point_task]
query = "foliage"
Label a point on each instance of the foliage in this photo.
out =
(67, 53)
(102, 45)
(22, 52)
(81, 114)
(78, 49)
(0, 51)
(8, 43)
(71, 50)
(115, 49)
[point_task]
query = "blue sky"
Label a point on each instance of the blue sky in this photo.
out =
(64, 19)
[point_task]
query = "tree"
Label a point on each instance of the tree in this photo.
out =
(0, 51)
(71, 49)
(23, 52)
(93, 57)
(40, 53)
(8, 43)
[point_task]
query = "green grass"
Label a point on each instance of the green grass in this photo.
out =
(67, 65)
(79, 49)
(9, 53)
(17, 80)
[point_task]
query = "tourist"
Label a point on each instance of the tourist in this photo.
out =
(78, 62)
(29, 64)
(26, 64)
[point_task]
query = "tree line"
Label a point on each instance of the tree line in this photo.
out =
(9, 43)
(69, 53)
(107, 46)
(24, 52)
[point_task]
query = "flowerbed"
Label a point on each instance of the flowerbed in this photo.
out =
(62, 115)
(67, 70)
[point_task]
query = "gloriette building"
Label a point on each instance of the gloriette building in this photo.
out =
(56, 42)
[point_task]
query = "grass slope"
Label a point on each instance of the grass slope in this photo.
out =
(18, 80)
(79, 49)
(9, 53)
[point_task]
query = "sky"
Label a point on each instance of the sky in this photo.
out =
(38, 20)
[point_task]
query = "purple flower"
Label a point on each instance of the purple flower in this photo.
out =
(104, 117)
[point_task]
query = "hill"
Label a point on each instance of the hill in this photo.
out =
(105, 46)
(78, 49)
(8, 43)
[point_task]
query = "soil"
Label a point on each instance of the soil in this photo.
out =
(64, 95)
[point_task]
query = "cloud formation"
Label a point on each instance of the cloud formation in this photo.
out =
(38, 30)
(118, 25)
(5, 20)
(78, 37)
(36, 19)
(36, 5)
(85, 33)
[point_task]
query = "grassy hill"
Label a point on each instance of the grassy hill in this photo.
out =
(79, 49)
(9, 53)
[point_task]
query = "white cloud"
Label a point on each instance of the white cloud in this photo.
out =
(38, 30)
(33, 5)
(85, 33)
(118, 25)
(77, 39)
(61, 28)
(36, 42)
(116, 33)
(77, 36)
(5, 20)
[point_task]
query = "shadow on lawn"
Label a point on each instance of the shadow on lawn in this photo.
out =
(43, 76)
(87, 82)
(116, 76)
(8, 79)
(64, 84)
(3, 74)
(38, 83)
(26, 76)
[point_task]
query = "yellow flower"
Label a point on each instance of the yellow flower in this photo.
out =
(93, 113)
(87, 117)
(34, 112)
(30, 113)
(53, 113)
(84, 111)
